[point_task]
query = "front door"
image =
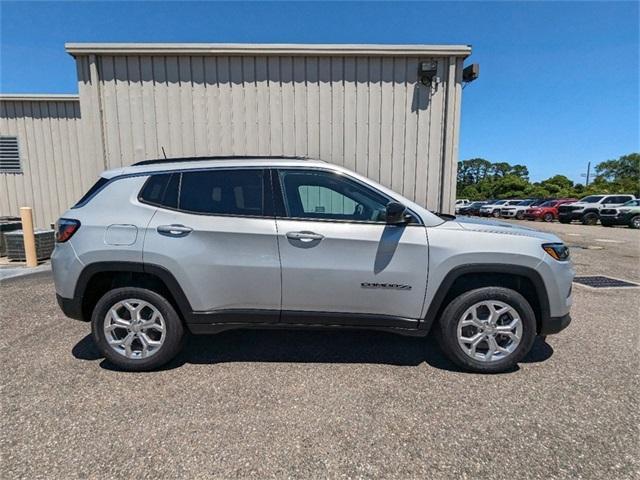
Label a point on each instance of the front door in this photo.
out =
(340, 257)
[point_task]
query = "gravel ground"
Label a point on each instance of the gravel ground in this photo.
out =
(302, 404)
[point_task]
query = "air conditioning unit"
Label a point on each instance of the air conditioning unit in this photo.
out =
(45, 241)
(7, 224)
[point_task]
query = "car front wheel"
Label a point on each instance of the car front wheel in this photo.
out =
(136, 329)
(590, 218)
(635, 222)
(496, 213)
(487, 330)
(548, 217)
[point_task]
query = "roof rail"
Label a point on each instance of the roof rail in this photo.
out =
(219, 157)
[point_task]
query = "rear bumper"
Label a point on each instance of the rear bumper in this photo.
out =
(71, 307)
(552, 325)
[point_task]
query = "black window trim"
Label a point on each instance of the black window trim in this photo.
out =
(284, 214)
(267, 191)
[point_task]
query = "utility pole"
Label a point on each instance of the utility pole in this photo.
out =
(588, 172)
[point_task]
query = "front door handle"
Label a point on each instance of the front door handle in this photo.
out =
(305, 236)
(174, 230)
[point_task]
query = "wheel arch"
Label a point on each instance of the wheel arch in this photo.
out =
(99, 277)
(525, 280)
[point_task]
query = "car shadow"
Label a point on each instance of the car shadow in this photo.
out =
(308, 346)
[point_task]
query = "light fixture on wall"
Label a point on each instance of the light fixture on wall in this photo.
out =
(428, 73)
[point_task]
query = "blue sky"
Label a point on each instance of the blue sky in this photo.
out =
(559, 83)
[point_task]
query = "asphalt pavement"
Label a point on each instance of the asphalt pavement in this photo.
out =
(338, 404)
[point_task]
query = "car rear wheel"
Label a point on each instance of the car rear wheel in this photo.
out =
(496, 213)
(487, 330)
(136, 329)
(635, 222)
(590, 218)
(548, 217)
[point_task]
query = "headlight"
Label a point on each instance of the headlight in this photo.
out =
(559, 251)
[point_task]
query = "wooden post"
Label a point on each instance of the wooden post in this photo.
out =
(26, 214)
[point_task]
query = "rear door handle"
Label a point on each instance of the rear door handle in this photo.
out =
(304, 236)
(174, 230)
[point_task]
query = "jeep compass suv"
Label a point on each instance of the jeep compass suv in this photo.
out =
(162, 248)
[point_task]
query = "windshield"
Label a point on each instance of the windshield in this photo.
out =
(592, 199)
(499, 202)
(550, 203)
(525, 202)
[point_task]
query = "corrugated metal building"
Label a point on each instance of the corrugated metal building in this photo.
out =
(361, 106)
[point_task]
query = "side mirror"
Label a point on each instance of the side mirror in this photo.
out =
(396, 214)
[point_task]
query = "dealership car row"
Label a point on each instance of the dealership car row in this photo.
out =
(616, 209)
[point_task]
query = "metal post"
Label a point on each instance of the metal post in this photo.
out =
(588, 172)
(26, 215)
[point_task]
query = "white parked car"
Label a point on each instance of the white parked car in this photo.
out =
(461, 202)
(518, 210)
(587, 209)
(205, 245)
(495, 209)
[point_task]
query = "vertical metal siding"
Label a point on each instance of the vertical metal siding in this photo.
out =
(54, 173)
(369, 114)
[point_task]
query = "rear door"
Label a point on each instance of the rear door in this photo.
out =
(341, 263)
(217, 236)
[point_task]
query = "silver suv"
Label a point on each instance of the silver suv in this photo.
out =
(162, 248)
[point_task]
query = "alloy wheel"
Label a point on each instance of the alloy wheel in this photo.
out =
(134, 328)
(489, 331)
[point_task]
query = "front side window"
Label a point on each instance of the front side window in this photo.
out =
(222, 192)
(318, 195)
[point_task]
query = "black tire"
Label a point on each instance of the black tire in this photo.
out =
(174, 334)
(605, 223)
(520, 216)
(590, 218)
(495, 213)
(564, 220)
(448, 325)
(634, 222)
(548, 217)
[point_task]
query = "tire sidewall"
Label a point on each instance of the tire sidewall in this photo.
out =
(448, 324)
(174, 334)
(631, 225)
(590, 218)
(548, 217)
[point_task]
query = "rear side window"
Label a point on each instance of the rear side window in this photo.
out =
(91, 192)
(223, 192)
(161, 190)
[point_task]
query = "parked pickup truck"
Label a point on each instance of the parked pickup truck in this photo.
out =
(204, 245)
(626, 214)
(587, 209)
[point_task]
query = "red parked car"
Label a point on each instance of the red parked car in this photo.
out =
(548, 211)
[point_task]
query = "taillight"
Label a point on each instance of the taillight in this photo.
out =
(65, 228)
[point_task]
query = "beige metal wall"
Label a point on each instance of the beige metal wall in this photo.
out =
(368, 113)
(355, 105)
(53, 173)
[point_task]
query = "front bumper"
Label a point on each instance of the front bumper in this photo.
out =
(618, 219)
(570, 215)
(551, 325)
(508, 213)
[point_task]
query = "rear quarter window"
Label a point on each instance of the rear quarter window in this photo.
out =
(91, 192)
(161, 190)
